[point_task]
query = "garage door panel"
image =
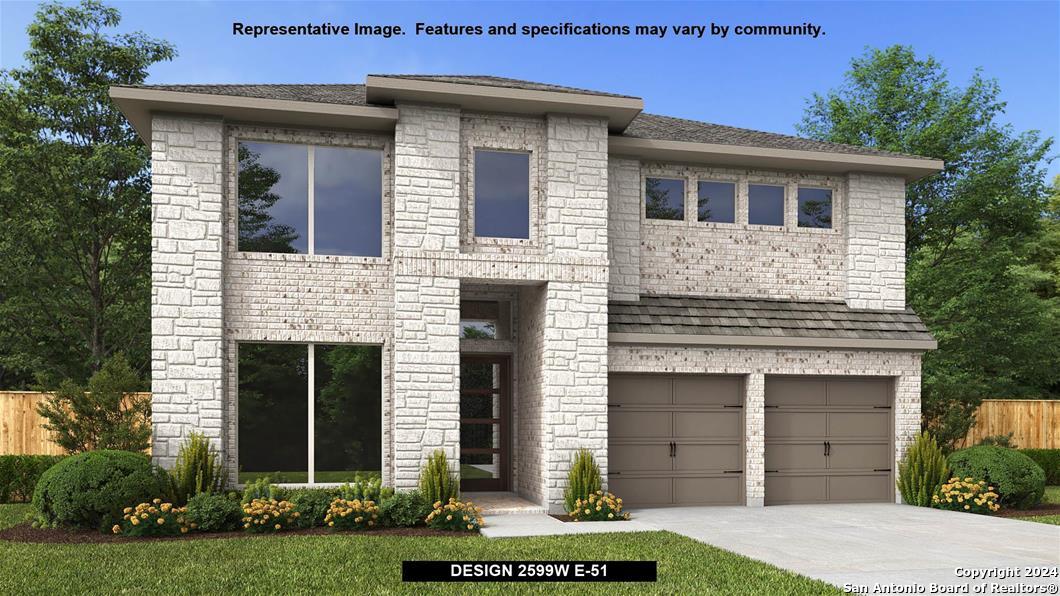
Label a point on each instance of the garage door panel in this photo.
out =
(786, 457)
(639, 390)
(707, 458)
(708, 425)
(796, 489)
(783, 425)
(860, 456)
(642, 491)
(708, 491)
(640, 457)
(631, 424)
(859, 488)
(867, 425)
(859, 392)
(708, 391)
(787, 391)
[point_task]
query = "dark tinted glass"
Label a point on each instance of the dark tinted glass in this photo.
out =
(502, 194)
(273, 197)
(347, 436)
(765, 205)
(717, 202)
(664, 198)
(273, 412)
(348, 201)
(815, 208)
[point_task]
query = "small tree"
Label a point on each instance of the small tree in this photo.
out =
(437, 483)
(107, 414)
(922, 471)
(582, 480)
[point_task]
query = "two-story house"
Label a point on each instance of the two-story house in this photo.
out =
(346, 278)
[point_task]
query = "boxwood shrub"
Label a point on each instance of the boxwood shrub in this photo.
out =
(1019, 481)
(19, 475)
(1049, 460)
(214, 512)
(91, 489)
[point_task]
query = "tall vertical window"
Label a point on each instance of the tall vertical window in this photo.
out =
(716, 202)
(765, 205)
(309, 413)
(815, 207)
(664, 198)
(502, 194)
(309, 199)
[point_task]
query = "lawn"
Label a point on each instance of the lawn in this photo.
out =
(1052, 497)
(369, 564)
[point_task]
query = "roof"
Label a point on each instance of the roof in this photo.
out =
(351, 95)
(769, 320)
(503, 82)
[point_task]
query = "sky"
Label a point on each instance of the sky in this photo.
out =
(753, 82)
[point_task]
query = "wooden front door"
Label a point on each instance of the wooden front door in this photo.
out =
(485, 414)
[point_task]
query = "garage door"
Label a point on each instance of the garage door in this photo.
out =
(676, 440)
(828, 439)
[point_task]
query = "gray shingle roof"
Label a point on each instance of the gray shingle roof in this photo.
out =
(762, 318)
(340, 94)
(490, 81)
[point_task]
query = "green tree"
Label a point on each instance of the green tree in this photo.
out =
(969, 229)
(74, 199)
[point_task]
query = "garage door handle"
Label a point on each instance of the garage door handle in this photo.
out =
(673, 449)
(827, 448)
(732, 472)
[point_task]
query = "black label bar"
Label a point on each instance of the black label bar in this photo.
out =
(529, 571)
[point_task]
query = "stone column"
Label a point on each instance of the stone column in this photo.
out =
(754, 412)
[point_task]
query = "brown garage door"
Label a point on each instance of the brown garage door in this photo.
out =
(676, 440)
(828, 439)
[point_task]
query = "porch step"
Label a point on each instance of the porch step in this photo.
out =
(502, 503)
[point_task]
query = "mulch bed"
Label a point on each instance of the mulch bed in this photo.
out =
(1042, 509)
(563, 517)
(27, 533)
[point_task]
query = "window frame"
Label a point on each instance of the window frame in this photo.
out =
(473, 196)
(685, 185)
(735, 201)
(784, 218)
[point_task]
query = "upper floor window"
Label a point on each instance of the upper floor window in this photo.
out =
(309, 199)
(765, 205)
(716, 202)
(502, 194)
(815, 207)
(664, 198)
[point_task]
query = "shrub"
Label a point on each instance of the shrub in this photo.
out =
(362, 489)
(1049, 460)
(312, 504)
(437, 483)
(107, 414)
(1019, 481)
(345, 514)
(262, 488)
(582, 480)
(455, 516)
(404, 509)
(261, 515)
(198, 468)
(152, 519)
(212, 512)
(967, 495)
(999, 441)
(599, 506)
(922, 471)
(90, 489)
(19, 475)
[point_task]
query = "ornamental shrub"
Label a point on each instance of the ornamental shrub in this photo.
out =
(19, 475)
(969, 495)
(365, 488)
(261, 515)
(89, 490)
(155, 518)
(1019, 481)
(197, 469)
(922, 471)
(404, 509)
(582, 480)
(262, 488)
(599, 506)
(1048, 459)
(312, 504)
(345, 514)
(455, 516)
(213, 512)
(437, 482)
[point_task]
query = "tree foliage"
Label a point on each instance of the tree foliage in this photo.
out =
(74, 199)
(982, 259)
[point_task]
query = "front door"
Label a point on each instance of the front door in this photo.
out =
(485, 392)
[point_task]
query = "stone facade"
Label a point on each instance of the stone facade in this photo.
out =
(876, 242)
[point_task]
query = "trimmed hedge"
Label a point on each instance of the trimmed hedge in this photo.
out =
(1049, 460)
(19, 475)
(1019, 481)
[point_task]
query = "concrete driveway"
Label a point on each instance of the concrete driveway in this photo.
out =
(866, 544)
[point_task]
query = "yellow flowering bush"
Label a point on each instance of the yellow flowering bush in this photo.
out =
(153, 519)
(455, 516)
(351, 514)
(599, 506)
(967, 494)
(269, 515)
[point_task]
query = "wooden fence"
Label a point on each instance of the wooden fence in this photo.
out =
(1034, 423)
(21, 428)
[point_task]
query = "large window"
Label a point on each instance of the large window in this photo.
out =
(765, 205)
(664, 198)
(716, 202)
(309, 199)
(309, 413)
(815, 207)
(502, 194)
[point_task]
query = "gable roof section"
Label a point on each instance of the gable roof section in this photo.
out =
(351, 95)
(765, 323)
(501, 82)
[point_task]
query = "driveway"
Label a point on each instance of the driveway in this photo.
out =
(866, 544)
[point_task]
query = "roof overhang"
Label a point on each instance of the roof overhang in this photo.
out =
(619, 111)
(775, 159)
(757, 341)
(138, 104)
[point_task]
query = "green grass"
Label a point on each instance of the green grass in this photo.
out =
(14, 514)
(468, 472)
(371, 564)
(1043, 519)
(1052, 495)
